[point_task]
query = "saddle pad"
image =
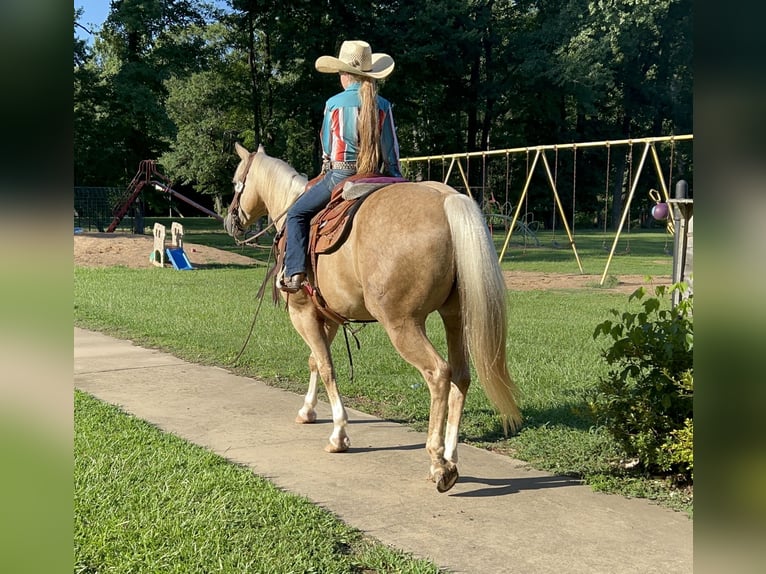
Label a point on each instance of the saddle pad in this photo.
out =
(353, 190)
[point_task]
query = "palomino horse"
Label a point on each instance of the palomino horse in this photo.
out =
(414, 248)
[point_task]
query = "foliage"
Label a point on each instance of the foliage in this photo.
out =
(680, 447)
(470, 75)
(645, 401)
(208, 109)
(120, 84)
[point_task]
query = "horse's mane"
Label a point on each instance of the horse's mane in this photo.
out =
(274, 174)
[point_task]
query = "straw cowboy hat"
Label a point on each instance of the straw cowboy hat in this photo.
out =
(356, 57)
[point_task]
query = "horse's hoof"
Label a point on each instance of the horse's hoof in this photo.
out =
(447, 479)
(338, 447)
(306, 418)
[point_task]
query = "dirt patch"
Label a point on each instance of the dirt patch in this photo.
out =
(129, 250)
(529, 281)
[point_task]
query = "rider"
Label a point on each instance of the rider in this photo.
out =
(358, 135)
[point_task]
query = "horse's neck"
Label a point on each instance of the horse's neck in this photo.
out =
(277, 194)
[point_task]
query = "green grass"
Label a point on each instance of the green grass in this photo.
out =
(147, 501)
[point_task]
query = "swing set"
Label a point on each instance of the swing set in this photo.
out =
(525, 223)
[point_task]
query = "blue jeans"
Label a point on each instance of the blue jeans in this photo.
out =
(299, 218)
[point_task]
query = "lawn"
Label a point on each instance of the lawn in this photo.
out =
(147, 501)
(204, 316)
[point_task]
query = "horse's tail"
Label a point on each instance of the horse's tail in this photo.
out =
(482, 295)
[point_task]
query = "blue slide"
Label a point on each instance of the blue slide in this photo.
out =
(178, 259)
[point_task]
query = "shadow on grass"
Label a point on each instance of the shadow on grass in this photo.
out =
(254, 265)
(571, 415)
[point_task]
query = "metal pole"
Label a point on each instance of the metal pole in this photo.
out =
(625, 212)
(518, 206)
(561, 211)
(679, 238)
(172, 192)
(580, 145)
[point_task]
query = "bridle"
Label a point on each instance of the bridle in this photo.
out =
(239, 187)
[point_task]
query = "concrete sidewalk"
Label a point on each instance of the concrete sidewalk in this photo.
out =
(500, 517)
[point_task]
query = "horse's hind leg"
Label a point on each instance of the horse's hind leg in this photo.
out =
(409, 338)
(461, 380)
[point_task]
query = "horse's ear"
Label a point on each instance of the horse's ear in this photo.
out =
(260, 149)
(241, 151)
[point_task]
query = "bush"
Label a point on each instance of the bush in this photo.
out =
(645, 400)
(680, 448)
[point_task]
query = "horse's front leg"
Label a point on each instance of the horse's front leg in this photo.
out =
(318, 336)
(307, 413)
(339, 441)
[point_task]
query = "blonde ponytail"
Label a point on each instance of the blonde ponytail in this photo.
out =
(369, 157)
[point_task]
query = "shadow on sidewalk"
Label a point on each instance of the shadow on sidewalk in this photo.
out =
(418, 446)
(505, 486)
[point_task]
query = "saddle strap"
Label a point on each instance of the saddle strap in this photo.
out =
(321, 305)
(279, 256)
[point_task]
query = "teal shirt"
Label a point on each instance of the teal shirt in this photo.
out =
(339, 135)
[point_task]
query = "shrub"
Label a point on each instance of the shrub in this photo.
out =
(645, 400)
(680, 448)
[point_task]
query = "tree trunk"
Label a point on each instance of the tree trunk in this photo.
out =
(255, 95)
(617, 190)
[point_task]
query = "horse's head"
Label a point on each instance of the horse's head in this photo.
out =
(239, 217)
(263, 185)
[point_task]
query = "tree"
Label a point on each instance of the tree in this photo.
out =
(91, 127)
(140, 45)
(209, 109)
(470, 75)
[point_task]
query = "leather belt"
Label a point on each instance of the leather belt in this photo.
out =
(343, 165)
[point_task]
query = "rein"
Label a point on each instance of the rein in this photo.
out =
(273, 223)
(257, 309)
(234, 209)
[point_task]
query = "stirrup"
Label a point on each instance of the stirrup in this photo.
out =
(294, 284)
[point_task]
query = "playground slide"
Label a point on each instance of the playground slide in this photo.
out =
(179, 259)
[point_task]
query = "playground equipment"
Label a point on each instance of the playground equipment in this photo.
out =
(175, 254)
(683, 246)
(158, 251)
(148, 174)
(541, 159)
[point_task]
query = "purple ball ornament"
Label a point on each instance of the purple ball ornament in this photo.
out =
(660, 211)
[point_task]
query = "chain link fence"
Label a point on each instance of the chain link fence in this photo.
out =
(94, 209)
